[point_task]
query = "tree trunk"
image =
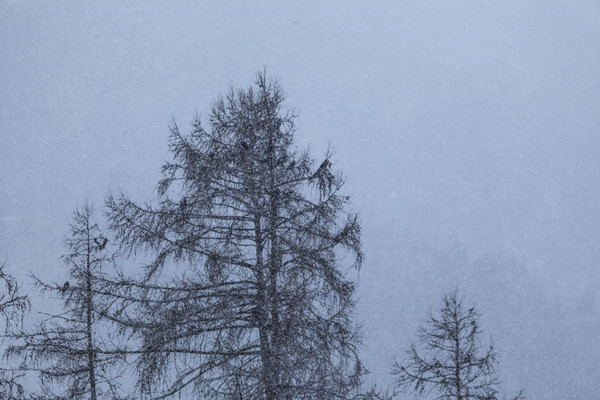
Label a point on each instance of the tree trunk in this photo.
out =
(88, 306)
(263, 315)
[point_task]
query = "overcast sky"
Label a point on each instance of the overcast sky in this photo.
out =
(469, 133)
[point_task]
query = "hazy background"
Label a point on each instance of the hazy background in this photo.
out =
(469, 132)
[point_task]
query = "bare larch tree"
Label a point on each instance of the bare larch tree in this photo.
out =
(248, 296)
(70, 348)
(449, 359)
(13, 306)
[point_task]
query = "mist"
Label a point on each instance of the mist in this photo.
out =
(468, 133)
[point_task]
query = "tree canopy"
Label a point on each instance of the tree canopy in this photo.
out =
(248, 294)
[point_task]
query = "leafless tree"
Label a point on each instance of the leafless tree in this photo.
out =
(13, 306)
(449, 358)
(71, 348)
(248, 294)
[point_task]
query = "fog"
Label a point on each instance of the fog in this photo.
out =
(468, 132)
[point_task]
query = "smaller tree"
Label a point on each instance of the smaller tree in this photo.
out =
(13, 305)
(71, 348)
(450, 358)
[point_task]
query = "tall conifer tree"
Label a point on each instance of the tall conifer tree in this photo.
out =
(248, 295)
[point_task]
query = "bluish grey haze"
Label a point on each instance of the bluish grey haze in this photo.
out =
(469, 132)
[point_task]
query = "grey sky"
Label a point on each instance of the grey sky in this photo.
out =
(469, 132)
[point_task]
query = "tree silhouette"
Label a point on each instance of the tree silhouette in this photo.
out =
(248, 295)
(13, 306)
(449, 358)
(71, 348)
